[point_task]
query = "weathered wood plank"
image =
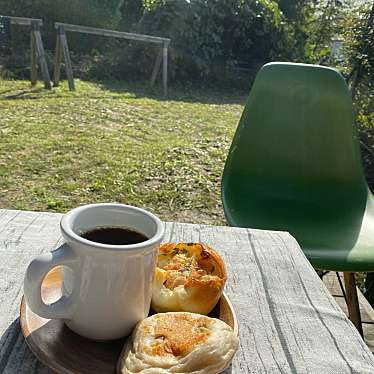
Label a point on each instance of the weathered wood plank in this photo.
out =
(157, 66)
(42, 63)
(23, 21)
(352, 301)
(35, 24)
(112, 33)
(57, 62)
(33, 62)
(41, 59)
(118, 34)
(66, 54)
(366, 310)
(288, 321)
(165, 68)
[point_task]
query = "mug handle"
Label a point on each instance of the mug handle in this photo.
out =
(63, 308)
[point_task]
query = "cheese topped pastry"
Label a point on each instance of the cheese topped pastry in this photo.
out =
(189, 277)
(179, 343)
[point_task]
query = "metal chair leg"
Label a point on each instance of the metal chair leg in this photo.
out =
(322, 273)
(341, 286)
(352, 301)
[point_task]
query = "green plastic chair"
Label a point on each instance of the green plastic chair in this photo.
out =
(295, 165)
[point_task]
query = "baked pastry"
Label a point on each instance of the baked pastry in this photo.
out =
(189, 277)
(179, 343)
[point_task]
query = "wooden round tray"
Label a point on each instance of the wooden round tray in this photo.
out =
(63, 351)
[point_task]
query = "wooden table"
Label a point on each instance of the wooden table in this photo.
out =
(288, 321)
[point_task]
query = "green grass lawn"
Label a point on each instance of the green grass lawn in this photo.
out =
(115, 142)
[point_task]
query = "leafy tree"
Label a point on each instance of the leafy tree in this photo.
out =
(92, 12)
(131, 13)
(211, 34)
(294, 10)
(97, 13)
(322, 22)
(359, 37)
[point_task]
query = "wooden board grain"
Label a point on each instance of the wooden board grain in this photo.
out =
(65, 352)
(289, 323)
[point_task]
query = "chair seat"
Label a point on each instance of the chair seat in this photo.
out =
(295, 165)
(340, 241)
(349, 250)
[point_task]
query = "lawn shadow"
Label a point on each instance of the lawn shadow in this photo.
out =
(189, 93)
(6, 91)
(30, 93)
(192, 93)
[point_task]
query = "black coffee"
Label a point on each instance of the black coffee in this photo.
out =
(114, 236)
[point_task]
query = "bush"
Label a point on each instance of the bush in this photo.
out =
(131, 13)
(211, 35)
(359, 41)
(125, 60)
(210, 38)
(359, 66)
(97, 13)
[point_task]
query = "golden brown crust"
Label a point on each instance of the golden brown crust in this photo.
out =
(180, 342)
(189, 277)
(178, 334)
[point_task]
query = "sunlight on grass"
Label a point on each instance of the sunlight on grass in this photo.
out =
(104, 142)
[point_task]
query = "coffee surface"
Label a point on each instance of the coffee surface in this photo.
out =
(114, 236)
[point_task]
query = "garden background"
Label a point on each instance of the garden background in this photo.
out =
(117, 139)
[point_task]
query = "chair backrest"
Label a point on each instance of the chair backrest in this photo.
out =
(295, 161)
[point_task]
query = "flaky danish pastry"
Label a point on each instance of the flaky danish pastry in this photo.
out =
(189, 277)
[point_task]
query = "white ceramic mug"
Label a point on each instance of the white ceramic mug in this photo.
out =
(106, 289)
